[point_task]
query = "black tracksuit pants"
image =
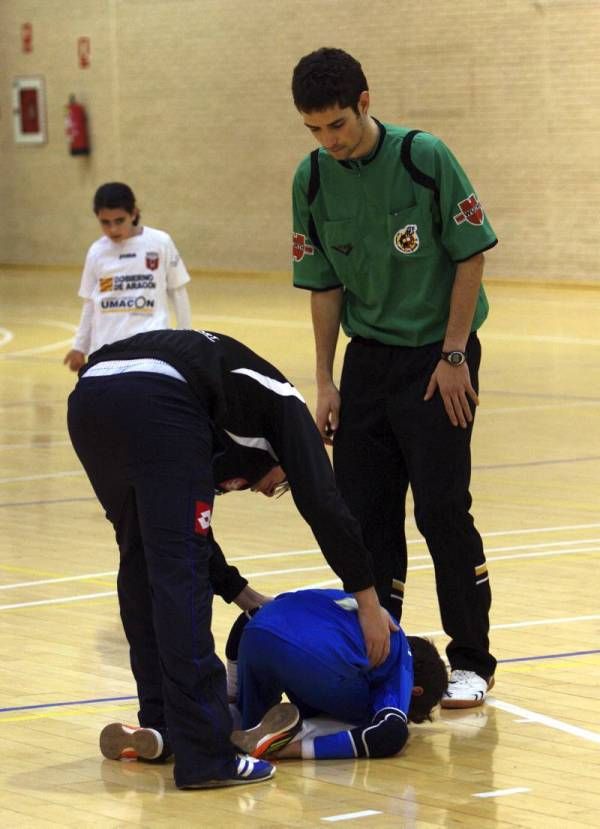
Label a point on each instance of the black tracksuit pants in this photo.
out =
(389, 437)
(146, 444)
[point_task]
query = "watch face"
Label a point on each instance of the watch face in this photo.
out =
(456, 358)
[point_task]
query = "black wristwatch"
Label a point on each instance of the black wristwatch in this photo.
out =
(455, 358)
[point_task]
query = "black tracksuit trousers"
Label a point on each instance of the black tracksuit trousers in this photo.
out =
(388, 438)
(146, 444)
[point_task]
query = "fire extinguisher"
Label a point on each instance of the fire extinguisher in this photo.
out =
(76, 128)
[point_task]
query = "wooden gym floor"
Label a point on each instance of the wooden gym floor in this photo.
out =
(529, 758)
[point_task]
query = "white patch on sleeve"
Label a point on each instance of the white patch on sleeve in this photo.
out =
(282, 389)
(347, 603)
(254, 443)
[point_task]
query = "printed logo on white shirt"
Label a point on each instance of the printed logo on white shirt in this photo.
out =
(130, 294)
(152, 260)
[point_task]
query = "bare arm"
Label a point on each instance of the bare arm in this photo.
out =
(454, 382)
(326, 308)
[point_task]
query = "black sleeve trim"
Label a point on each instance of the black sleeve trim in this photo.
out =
(315, 177)
(477, 252)
(319, 290)
(417, 175)
(313, 188)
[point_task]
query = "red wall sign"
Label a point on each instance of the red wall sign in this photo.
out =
(84, 52)
(27, 37)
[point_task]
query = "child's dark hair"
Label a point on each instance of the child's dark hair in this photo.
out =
(325, 78)
(115, 195)
(431, 674)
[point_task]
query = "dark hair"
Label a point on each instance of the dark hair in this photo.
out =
(431, 674)
(115, 195)
(234, 460)
(325, 78)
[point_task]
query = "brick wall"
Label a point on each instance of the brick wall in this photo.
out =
(189, 103)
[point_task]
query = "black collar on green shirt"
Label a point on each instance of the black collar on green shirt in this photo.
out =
(367, 159)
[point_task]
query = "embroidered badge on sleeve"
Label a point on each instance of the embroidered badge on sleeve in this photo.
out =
(301, 247)
(471, 211)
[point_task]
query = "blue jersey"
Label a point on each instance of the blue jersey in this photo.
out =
(324, 625)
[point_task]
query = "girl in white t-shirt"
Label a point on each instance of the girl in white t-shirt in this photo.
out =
(129, 275)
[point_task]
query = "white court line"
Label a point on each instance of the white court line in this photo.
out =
(540, 407)
(351, 815)
(502, 792)
(42, 477)
(35, 445)
(532, 716)
(57, 580)
(542, 544)
(411, 541)
(542, 529)
(318, 584)
(291, 570)
(529, 623)
(541, 338)
(40, 349)
(272, 323)
(5, 336)
(542, 554)
(58, 601)
(294, 553)
(310, 551)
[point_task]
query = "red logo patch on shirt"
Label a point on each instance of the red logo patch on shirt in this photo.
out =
(470, 211)
(301, 246)
(152, 260)
(202, 518)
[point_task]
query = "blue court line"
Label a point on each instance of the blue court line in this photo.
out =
(61, 704)
(549, 656)
(125, 699)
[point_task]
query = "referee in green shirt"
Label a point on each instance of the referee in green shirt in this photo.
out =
(389, 237)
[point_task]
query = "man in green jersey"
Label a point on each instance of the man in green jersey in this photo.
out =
(389, 238)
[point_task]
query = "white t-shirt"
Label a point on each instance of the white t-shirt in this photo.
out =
(127, 283)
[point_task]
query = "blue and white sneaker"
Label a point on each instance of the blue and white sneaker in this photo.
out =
(245, 769)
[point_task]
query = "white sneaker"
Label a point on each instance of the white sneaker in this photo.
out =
(466, 689)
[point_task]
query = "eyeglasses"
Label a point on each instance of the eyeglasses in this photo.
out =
(281, 488)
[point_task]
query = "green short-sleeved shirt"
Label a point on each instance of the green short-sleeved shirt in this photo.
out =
(391, 232)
